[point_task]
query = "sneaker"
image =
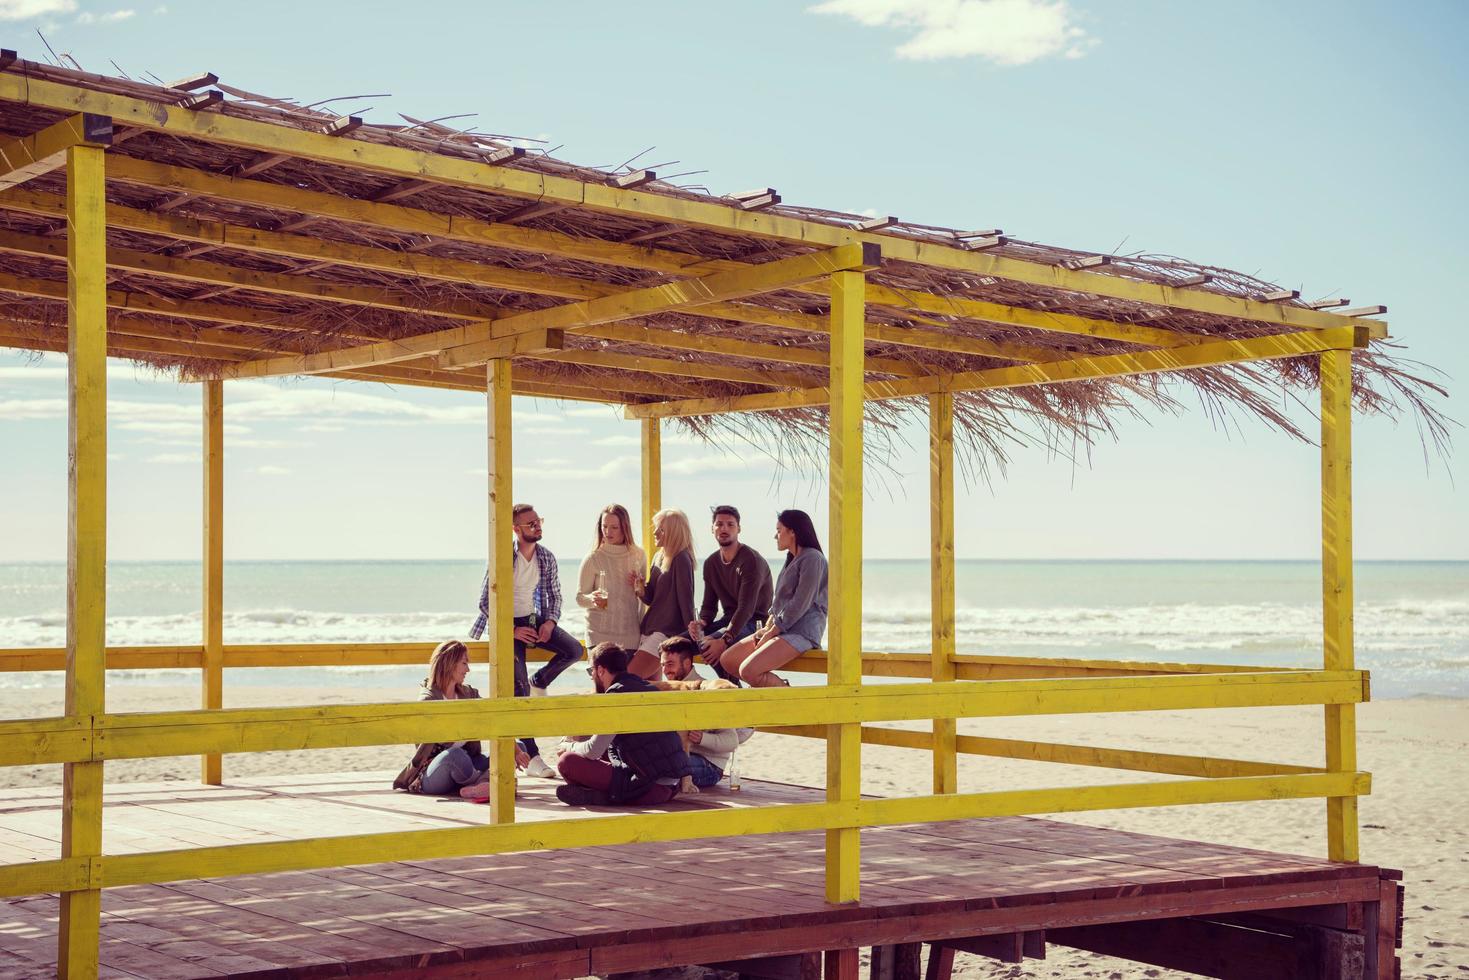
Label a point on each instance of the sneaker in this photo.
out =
(537, 692)
(573, 795)
(537, 767)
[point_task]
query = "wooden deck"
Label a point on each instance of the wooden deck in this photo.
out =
(1000, 887)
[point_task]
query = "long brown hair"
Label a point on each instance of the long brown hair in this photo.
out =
(445, 658)
(620, 512)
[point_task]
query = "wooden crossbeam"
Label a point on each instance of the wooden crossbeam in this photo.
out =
(1077, 369)
(120, 299)
(682, 294)
(724, 217)
(128, 339)
(502, 235)
(769, 353)
(24, 157)
(194, 270)
(218, 235)
(675, 368)
(392, 351)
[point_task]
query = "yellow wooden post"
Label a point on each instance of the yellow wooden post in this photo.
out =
(1336, 593)
(844, 629)
(86, 592)
(502, 589)
(211, 767)
(941, 579)
(652, 481)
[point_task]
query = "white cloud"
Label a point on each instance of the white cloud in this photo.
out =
(25, 9)
(1006, 32)
(594, 412)
(272, 470)
(176, 458)
(86, 17)
(261, 400)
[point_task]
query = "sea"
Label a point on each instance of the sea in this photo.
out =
(1412, 618)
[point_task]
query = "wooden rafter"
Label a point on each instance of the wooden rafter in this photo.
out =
(1077, 369)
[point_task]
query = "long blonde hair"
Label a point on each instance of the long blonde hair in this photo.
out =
(445, 658)
(620, 512)
(678, 537)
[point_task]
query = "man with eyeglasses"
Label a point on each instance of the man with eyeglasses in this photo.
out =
(737, 578)
(537, 609)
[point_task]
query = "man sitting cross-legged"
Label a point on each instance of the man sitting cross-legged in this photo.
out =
(709, 750)
(637, 768)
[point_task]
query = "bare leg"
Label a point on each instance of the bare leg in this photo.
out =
(757, 667)
(644, 664)
(735, 655)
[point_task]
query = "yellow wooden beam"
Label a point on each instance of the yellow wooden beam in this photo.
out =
(86, 579)
(749, 281)
(393, 351)
(24, 157)
(212, 695)
(119, 299)
(651, 464)
(236, 277)
(415, 221)
(328, 852)
(678, 369)
(809, 323)
(644, 203)
(941, 580)
(319, 249)
(629, 333)
(1336, 589)
(171, 733)
(133, 339)
(844, 536)
(501, 627)
(1057, 372)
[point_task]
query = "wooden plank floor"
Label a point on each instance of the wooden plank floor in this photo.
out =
(573, 912)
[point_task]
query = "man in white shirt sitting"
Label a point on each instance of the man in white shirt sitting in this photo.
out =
(710, 751)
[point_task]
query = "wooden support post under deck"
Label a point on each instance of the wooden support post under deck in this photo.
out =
(86, 552)
(941, 578)
(652, 481)
(211, 765)
(844, 580)
(1336, 595)
(500, 632)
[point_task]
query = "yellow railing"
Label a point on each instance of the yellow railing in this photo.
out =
(1052, 687)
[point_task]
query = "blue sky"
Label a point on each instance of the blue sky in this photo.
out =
(1311, 143)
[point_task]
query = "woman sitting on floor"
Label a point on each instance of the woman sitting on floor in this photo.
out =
(442, 768)
(797, 611)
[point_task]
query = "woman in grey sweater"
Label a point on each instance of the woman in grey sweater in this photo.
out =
(797, 612)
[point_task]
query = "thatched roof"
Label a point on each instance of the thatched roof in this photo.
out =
(209, 268)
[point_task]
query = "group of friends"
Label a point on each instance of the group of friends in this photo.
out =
(644, 635)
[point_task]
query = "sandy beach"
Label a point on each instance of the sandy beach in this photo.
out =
(1415, 819)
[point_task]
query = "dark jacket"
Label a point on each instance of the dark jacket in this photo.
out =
(411, 778)
(640, 759)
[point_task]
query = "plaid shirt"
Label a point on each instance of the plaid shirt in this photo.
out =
(547, 595)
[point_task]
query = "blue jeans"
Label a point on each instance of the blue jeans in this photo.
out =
(565, 651)
(705, 772)
(451, 769)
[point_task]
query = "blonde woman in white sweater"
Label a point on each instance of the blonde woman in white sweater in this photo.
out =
(614, 611)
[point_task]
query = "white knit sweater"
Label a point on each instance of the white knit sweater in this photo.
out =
(618, 623)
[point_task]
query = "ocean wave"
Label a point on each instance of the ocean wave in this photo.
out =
(1441, 626)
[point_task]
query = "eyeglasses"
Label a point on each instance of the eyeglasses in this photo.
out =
(535, 523)
(591, 672)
